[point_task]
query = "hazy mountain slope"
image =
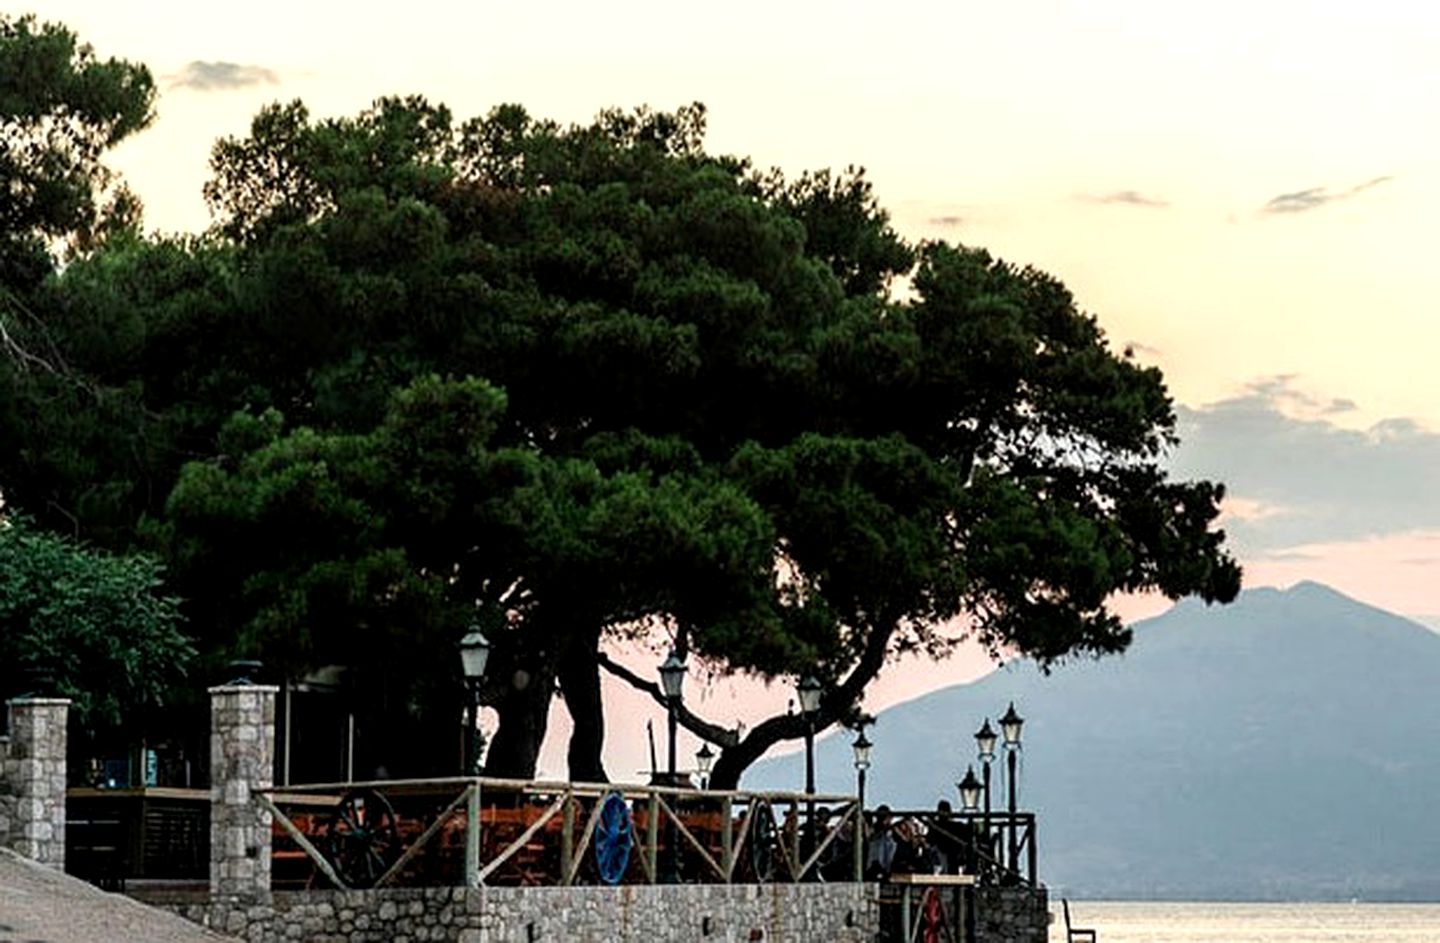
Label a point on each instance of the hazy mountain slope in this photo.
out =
(1286, 746)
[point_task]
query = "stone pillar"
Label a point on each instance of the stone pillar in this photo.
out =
(32, 811)
(242, 759)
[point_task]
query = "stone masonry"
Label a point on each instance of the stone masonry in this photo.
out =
(32, 780)
(777, 913)
(1012, 915)
(242, 757)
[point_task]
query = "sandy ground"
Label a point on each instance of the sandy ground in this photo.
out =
(39, 905)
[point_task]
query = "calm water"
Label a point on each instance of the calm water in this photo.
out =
(1252, 923)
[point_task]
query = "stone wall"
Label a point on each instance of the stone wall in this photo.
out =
(833, 913)
(32, 780)
(1012, 915)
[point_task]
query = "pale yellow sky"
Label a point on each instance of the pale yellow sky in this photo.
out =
(1129, 147)
(1017, 119)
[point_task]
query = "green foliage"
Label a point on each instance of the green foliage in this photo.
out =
(60, 109)
(96, 624)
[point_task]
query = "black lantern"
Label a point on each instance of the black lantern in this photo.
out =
(969, 790)
(672, 675)
(1010, 726)
(985, 742)
(861, 748)
(704, 758)
(810, 691)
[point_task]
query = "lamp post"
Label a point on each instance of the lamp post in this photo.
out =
(861, 749)
(1010, 726)
(985, 748)
(672, 678)
(704, 757)
(809, 690)
(474, 654)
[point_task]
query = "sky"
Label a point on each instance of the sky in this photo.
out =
(1247, 195)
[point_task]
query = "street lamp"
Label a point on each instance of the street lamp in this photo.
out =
(672, 678)
(985, 747)
(1010, 726)
(704, 757)
(809, 690)
(474, 654)
(861, 749)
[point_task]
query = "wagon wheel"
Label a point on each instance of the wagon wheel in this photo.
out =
(361, 838)
(614, 837)
(762, 842)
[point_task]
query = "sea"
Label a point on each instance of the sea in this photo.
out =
(1158, 922)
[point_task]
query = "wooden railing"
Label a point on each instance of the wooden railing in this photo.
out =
(475, 831)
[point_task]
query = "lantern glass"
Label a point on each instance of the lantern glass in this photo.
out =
(704, 757)
(474, 654)
(969, 790)
(810, 691)
(861, 749)
(985, 741)
(672, 675)
(1010, 726)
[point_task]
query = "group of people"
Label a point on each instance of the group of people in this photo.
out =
(939, 843)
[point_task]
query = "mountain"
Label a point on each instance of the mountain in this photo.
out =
(1286, 746)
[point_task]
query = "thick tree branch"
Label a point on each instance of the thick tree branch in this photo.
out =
(720, 736)
(835, 704)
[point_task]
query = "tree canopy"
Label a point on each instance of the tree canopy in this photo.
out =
(60, 109)
(573, 383)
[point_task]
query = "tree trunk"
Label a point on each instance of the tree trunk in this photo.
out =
(524, 711)
(580, 684)
(734, 760)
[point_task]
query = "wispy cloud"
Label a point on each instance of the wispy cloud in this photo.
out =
(221, 76)
(1301, 201)
(950, 220)
(1124, 198)
(1294, 477)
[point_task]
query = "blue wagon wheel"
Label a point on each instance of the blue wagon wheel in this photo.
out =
(614, 835)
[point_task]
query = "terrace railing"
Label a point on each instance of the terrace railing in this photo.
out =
(475, 831)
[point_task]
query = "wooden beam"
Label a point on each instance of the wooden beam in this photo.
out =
(680, 827)
(520, 842)
(425, 836)
(301, 840)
